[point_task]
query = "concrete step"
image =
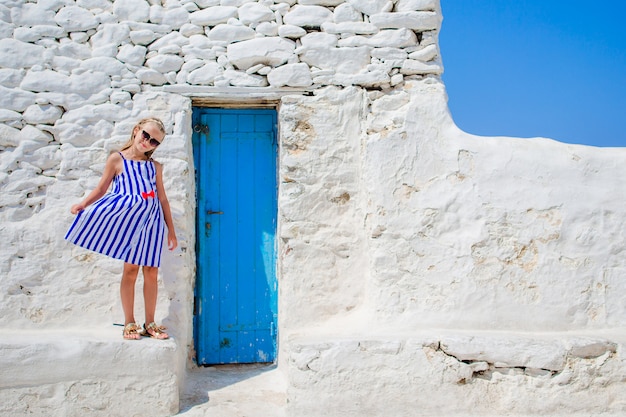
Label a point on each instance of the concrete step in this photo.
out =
(456, 373)
(87, 372)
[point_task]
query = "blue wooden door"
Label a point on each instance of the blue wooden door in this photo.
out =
(236, 288)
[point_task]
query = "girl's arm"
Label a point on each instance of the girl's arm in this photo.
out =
(172, 242)
(111, 169)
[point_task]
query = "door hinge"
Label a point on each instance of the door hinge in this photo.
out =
(195, 306)
(200, 128)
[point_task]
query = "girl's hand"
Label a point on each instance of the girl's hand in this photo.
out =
(172, 242)
(76, 208)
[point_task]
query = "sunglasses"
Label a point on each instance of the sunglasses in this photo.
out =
(146, 136)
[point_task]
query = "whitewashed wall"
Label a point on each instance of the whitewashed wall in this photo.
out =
(392, 221)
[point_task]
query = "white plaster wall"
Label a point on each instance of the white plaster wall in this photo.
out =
(407, 218)
(391, 220)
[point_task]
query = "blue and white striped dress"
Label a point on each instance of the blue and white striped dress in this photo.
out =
(127, 222)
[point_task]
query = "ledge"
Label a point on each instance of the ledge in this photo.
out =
(96, 373)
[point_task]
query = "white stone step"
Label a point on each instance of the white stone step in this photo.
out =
(87, 372)
(457, 373)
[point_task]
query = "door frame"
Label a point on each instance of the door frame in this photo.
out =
(268, 105)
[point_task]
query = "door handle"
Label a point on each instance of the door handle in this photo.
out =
(214, 212)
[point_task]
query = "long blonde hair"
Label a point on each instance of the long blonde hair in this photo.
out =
(139, 125)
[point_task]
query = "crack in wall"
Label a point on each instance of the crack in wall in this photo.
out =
(482, 369)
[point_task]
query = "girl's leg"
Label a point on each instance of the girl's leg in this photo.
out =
(127, 294)
(150, 292)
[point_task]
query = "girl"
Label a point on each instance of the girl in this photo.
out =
(127, 223)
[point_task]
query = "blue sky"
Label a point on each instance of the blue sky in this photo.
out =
(529, 68)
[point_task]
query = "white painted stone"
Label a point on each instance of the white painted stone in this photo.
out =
(165, 63)
(308, 16)
(392, 38)
(9, 116)
(255, 13)
(74, 50)
(105, 51)
(175, 18)
(319, 40)
(44, 114)
(82, 83)
(205, 75)
(131, 10)
(269, 29)
(107, 65)
(150, 76)
(371, 7)
(193, 52)
(189, 29)
(89, 4)
(212, 16)
(9, 136)
(346, 13)
(108, 34)
(373, 79)
(325, 3)
(418, 21)
(342, 60)
(291, 31)
(412, 67)
(6, 30)
(242, 79)
(16, 54)
(75, 19)
(230, 33)
(192, 64)
(64, 64)
(45, 158)
(173, 38)
(203, 4)
(426, 54)
(15, 98)
(410, 5)
(91, 114)
(349, 28)
(269, 51)
(31, 14)
(291, 75)
(31, 133)
(142, 37)
(396, 79)
(386, 53)
(118, 97)
(133, 55)
(11, 77)
(33, 34)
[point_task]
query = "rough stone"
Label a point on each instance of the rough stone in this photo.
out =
(418, 21)
(308, 16)
(75, 19)
(17, 54)
(410, 5)
(230, 33)
(254, 13)
(291, 75)
(131, 10)
(269, 51)
(212, 16)
(44, 114)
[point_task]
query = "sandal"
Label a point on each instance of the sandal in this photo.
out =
(131, 332)
(155, 331)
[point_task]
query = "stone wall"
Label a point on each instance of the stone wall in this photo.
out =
(75, 76)
(391, 220)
